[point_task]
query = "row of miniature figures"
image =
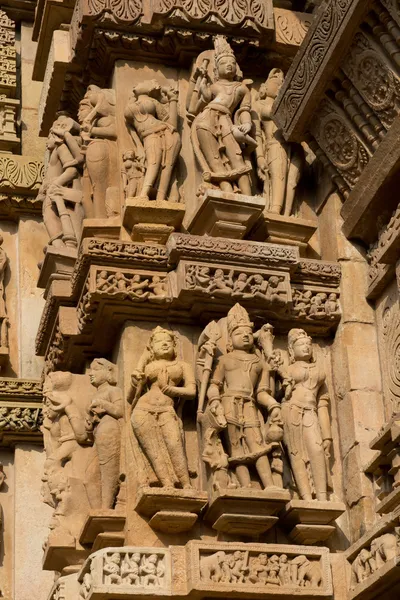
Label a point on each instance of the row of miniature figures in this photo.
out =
(236, 143)
(274, 570)
(261, 420)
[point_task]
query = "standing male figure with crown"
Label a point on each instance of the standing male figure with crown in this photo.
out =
(241, 384)
(222, 124)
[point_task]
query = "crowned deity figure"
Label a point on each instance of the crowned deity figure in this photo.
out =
(152, 117)
(240, 396)
(306, 425)
(279, 163)
(162, 383)
(220, 108)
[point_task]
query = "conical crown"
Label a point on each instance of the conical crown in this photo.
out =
(238, 317)
(222, 48)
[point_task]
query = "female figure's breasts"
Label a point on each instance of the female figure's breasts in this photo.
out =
(154, 396)
(143, 113)
(228, 94)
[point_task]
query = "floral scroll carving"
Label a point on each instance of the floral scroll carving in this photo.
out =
(18, 173)
(339, 141)
(231, 12)
(312, 59)
(122, 11)
(377, 83)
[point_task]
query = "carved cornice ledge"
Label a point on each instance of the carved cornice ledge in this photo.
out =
(242, 252)
(319, 56)
(20, 411)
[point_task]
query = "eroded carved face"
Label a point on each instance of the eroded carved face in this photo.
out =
(227, 67)
(242, 338)
(302, 349)
(97, 374)
(163, 346)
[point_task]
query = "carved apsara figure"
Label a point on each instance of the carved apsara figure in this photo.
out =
(161, 383)
(96, 116)
(133, 173)
(152, 117)
(3, 310)
(222, 120)
(305, 413)
(279, 163)
(61, 191)
(239, 390)
(106, 409)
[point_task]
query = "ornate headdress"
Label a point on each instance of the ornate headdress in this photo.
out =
(238, 317)
(296, 334)
(277, 74)
(222, 47)
(293, 336)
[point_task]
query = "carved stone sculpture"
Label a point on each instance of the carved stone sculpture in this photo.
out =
(369, 560)
(98, 129)
(60, 191)
(279, 163)
(4, 323)
(220, 107)
(240, 388)
(238, 567)
(162, 383)
(132, 173)
(105, 412)
(306, 425)
(152, 117)
(65, 481)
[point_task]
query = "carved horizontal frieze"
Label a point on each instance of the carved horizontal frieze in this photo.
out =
(258, 570)
(8, 65)
(20, 411)
(259, 288)
(191, 278)
(318, 271)
(209, 570)
(375, 561)
(125, 573)
(184, 246)
(316, 304)
(145, 289)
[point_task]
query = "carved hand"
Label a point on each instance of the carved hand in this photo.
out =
(172, 93)
(245, 128)
(326, 444)
(137, 377)
(261, 168)
(275, 415)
